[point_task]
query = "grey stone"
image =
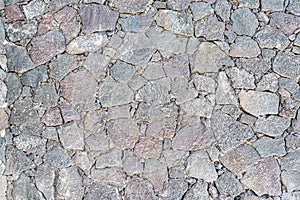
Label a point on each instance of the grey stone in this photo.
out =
(178, 4)
(272, 125)
(58, 4)
(259, 103)
(71, 136)
(291, 161)
(297, 40)
(227, 183)
(4, 119)
(12, 88)
(244, 21)
(209, 58)
(155, 172)
(57, 156)
(69, 113)
(121, 71)
(268, 5)
(232, 110)
(291, 196)
(293, 7)
(174, 189)
(87, 43)
(137, 23)
(110, 92)
(290, 180)
(61, 66)
(240, 78)
(154, 71)
(3, 93)
(112, 176)
(34, 76)
(192, 45)
(225, 93)
(269, 82)
(46, 95)
(288, 26)
(222, 9)
(244, 47)
(198, 191)
(34, 9)
(249, 3)
(97, 64)
(95, 17)
(139, 189)
(264, 178)
(268, 147)
(113, 158)
(16, 161)
(198, 107)
(83, 161)
(201, 10)
(228, 132)
(134, 6)
(285, 64)
(132, 165)
(270, 37)
(174, 157)
(148, 147)
(201, 167)
(257, 66)
(97, 141)
(204, 84)
(13, 13)
(45, 176)
(183, 90)
(177, 66)
(30, 144)
(69, 184)
(18, 59)
(94, 120)
(210, 28)
(23, 112)
(52, 117)
(292, 141)
(101, 191)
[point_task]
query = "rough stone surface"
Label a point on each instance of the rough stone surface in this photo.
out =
(204, 27)
(272, 125)
(267, 146)
(139, 189)
(288, 26)
(285, 64)
(18, 59)
(244, 21)
(156, 173)
(228, 184)
(224, 93)
(201, 10)
(244, 47)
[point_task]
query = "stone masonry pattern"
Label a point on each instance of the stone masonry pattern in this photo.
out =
(149, 100)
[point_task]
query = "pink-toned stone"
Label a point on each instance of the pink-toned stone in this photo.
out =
(177, 66)
(79, 87)
(43, 48)
(3, 119)
(148, 147)
(124, 133)
(13, 13)
(112, 176)
(69, 113)
(286, 22)
(46, 23)
(52, 117)
(159, 129)
(264, 178)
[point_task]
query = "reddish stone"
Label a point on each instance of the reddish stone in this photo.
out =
(13, 13)
(46, 23)
(148, 147)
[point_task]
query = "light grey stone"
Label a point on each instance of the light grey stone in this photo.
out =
(178, 4)
(244, 21)
(34, 9)
(71, 136)
(154, 71)
(285, 64)
(134, 6)
(267, 146)
(225, 93)
(204, 84)
(249, 3)
(113, 176)
(198, 191)
(244, 47)
(61, 65)
(257, 66)
(290, 180)
(210, 28)
(113, 158)
(139, 189)
(57, 156)
(174, 189)
(97, 141)
(291, 161)
(269, 82)
(83, 161)
(240, 78)
(156, 173)
(137, 23)
(44, 179)
(269, 5)
(132, 165)
(46, 95)
(31, 144)
(122, 71)
(23, 112)
(293, 7)
(101, 191)
(201, 10)
(272, 125)
(222, 9)
(227, 183)
(289, 25)
(199, 107)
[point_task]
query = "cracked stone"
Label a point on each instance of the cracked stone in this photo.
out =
(43, 48)
(288, 107)
(174, 157)
(177, 66)
(222, 9)
(225, 93)
(3, 119)
(44, 179)
(244, 21)
(101, 191)
(201, 10)
(137, 23)
(34, 8)
(154, 71)
(148, 147)
(13, 13)
(227, 183)
(264, 178)
(286, 64)
(198, 107)
(83, 161)
(46, 24)
(156, 172)
(272, 125)
(69, 113)
(112, 176)
(210, 28)
(52, 117)
(288, 25)
(272, 6)
(178, 4)
(240, 159)
(46, 95)
(35, 76)
(57, 156)
(209, 58)
(249, 3)
(183, 90)
(139, 189)
(204, 84)
(97, 141)
(259, 103)
(292, 141)
(293, 7)
(61, 66)
(95, 17)
(267, 146)
(97, 64)
(240, 78)
(71, 136)
(174, 189)
(201, 167)
(134, 6)
(87, 43)
(113, 158)
(122, 71)
(269, 82)
(257, 66)
(244, 47)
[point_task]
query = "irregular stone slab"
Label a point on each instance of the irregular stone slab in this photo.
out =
(69, 22)
(201, 167)
(124, 133)
(43, 48)
(174, 157)
(210, 28)
(94, 120)
(139, 189)
(244, 21)
(177, 22)
(294, 7)
(272, 125)
(71, 136)
(177, 66)
(11, 88)
(44, 179)
(87, 43)
(269, 82)
(46, 95)
(290, 180)
(201, 10)
(154, 71)
(244, 47)
(113, 158)
(112, 176)
(18, 59)
(58, 4)
(31, 144)
(46, 24)
(101, 191)
(228, 184)
(286, 64)
(204, 84)
(209, 58)
(198, 107)
(264, 178)
(240, 78)
(83, 161)
(133, 6)
(239, 159)
(23, 112)
(34, 76)
(199, 191)
(69, 184)
(291, 161)
(293, 141)
(97, 64)
(61, 65)
(122, 71)
(257, 66)
(272, 6)
(97, 141)
(79, 92)
(137, 23)
(288, 26)
(178, 4)
(174, 189)
(34, 9)
(95, 17)
(224, 93)
(133, 165)
(13, 13)
(270, 37)
(16, 161)
(148, 147)
(57, 156)
(268, 147)
(156, 172)
(228, 132)
(222, 9)
(259, 103)
(110, 92)
(288, 107)
(249, 3)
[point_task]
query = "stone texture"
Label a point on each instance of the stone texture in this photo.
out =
(257, 66)
(95, 17)
(134, 6)
(132, 165)
(285, 64)
(137, 23)
(57, 156)
(23, 112)
(4, 119)
(13, 13)
(197, 191)
(204, 84)
(288, 26)
(34, 9)
(177, 66)
(155, 172)
(139, 189)
(101, 191)
(30, 144)
(113, 158)
(228, 184)
(241, 78)
(174, 189)
(290, 162)
(244, 21)
(272, 125)
(112, 176)
(11, 88)
(148, 147)
(222, 9)
(268, 147)
(178, 4)
(46, 95)
(293, 7)
(45, 177)
(290, 180)
(210, 28)
(198, 107)
(201, 10)
(71, 136)
(35, 76)
(269, 82)
(259, 103)
(244, 47)
(268, 5)
(46, 24)
(264, 178)
(122, 71)
(224, 93)
(97, 64)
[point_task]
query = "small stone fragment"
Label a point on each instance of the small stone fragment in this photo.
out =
(257, 66)
(178, 4)
(198, 107)
(31, 144)
(291, 161)
(204, 84)
(268, 147)
(210, 28)
(46, 24)
(201, 10)
(156, 172)
(222, 8)
(244, 21)
(113, 158)
(61, 66)
(3, 119)
(136, 23)
(224, 93)
(249, 3)
(132, 165)
(293, 7)
(244, 47)
(23, 112)
(35, 76)
(11, 88)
